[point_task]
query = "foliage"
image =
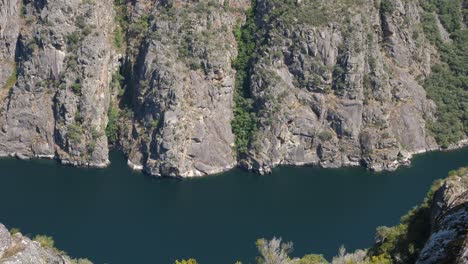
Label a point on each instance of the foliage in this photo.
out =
(313, 259)
(14, 231)
(244, 121)
(447, 86)
(325, 135)
(404, 242)
(112, 125)
(386, 6)
(76, 87)
(448, 82)
(448, 11)
(75, 132)
(274, 251)
(189, 261)
(11, 80)
(45, 241)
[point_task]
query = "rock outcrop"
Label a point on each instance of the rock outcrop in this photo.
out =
(19, 249)
(58, 102)
(183, 89)
(448, 242)
(337, 85)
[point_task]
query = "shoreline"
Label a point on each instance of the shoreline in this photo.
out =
(406, 161)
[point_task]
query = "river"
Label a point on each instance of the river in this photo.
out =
(115, 215)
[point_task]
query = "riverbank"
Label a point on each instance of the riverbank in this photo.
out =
(163, 220)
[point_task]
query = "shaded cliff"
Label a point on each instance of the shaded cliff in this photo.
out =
(190, 88)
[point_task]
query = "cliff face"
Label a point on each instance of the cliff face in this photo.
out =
(330, 82)
(183, 89)
(57, 105)
(337, 84)
(448, 242)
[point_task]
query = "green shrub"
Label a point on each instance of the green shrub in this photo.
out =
(11, 80)
(325, 135)
(386, 6)
(76, 87)
(112, 125)
(14, 231)
(406, 240)
(244, 123)
(446, 86)
(75, 133)
(45, 241)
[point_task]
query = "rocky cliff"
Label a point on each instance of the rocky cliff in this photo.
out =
(19, 249)
(333, 83)
(336, 84)
(183, 86)
(56, 105)
(448, 242)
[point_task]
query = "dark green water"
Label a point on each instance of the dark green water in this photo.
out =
(119, 216)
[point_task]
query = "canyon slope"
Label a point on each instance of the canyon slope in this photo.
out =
(190, 88)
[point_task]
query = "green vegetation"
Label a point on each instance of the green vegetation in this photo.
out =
(449, 12)
(11, 80)
(48, 242)
(386, 6)
(112, 125)
(244, 123)
(76, 87)
(14, 231)
(406, 240)
(75, 132)
(448, 82)
(121, 21)
(325, 135)
(398, 244)
(45, 241)
(189, 261)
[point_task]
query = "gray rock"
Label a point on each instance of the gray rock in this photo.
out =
(65, 59)
(363, 68)
(448, 242)
(184, 92)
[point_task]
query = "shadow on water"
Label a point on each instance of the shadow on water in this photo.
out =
(115, 215)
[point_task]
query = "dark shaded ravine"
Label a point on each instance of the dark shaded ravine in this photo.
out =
(115, 215)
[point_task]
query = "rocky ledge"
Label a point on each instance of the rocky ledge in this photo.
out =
(448, 242)
(19, 249)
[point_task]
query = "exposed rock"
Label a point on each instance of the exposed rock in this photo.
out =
(58, 106)
(449, 221)
(340, 89)
(183, 90)
(19, 249)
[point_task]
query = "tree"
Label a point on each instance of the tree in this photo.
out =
(275, 252)
(189, 261)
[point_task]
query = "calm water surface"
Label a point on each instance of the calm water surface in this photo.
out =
(116, 216)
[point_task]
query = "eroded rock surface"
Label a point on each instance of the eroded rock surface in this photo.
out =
(57, 106)
(184, 90)
(448, 242)
(337, 85)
